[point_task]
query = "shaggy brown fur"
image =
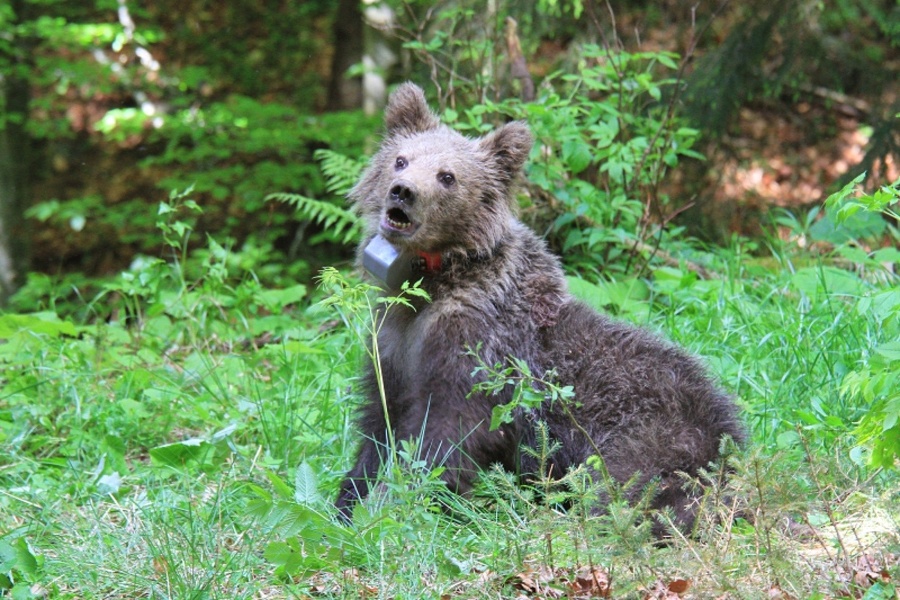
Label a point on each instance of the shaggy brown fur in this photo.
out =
(647, 405)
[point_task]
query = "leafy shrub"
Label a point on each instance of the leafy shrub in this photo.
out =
(236, 152)
(604, 140)
(875, 381)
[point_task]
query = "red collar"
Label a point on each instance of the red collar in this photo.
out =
(432, 261)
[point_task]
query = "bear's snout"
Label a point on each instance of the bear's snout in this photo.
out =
(397, 221)
(403, 192)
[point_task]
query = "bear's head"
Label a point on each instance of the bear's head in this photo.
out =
(430, 189)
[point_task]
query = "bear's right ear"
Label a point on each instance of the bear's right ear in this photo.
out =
(408, 112)
(508, 147)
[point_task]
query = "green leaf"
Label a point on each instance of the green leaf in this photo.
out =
(286, 556)
(500, 414)
(275, 300)
(787, 439)
(830, 280)
(306, 485)
(15, 555)
(46, 323)
(834, 200)
(577, 155)
(281, 488)
(891, 415)
(180, 453)
(889, 350)
(880, 590)
(589, 293)
(858, 225)
(886, 255)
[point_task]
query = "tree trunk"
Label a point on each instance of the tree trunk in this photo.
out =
(346, 93)
(14, 161)
(8, 203)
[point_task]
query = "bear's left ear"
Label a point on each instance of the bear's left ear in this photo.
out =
(408, 112)
(508, 147)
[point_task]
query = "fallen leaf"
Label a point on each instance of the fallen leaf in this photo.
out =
(776, 593)
(594, 583)
(679, 586)
(661, 591)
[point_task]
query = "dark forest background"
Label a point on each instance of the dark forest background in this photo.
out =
(107, 107)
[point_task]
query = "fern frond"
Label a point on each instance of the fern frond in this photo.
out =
(341, 172)
(340, 222)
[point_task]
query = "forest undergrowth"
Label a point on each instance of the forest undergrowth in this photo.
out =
(182, 435)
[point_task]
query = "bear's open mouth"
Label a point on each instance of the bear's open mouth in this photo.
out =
(397, 219)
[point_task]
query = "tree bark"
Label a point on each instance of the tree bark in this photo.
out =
(8, 201)
(517, 65)
(14, 161)
(346, 93)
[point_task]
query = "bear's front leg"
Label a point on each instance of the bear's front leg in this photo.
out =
(356, 484)
(451, 435)
(451, 428)
(429, 387)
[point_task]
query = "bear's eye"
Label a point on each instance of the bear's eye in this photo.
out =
(446, 179)
(401, 163)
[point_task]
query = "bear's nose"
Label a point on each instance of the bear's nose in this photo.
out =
(404, 193)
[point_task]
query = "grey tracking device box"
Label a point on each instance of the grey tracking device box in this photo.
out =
(386, 263)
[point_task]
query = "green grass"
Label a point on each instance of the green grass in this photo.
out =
(191, 448)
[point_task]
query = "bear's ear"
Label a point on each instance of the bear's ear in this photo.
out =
(508, 147)
(407, 111)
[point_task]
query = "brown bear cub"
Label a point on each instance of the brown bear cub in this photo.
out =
(646, 405)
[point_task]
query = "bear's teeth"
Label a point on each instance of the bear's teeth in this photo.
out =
(397, 219)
